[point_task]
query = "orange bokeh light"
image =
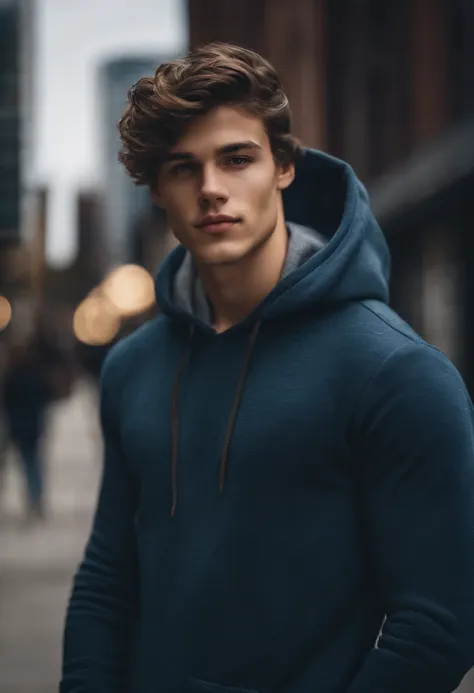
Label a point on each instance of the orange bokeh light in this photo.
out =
(94, 322)
(130, 289)
(5, 312)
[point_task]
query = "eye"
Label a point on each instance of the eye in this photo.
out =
(182, 168)
(238, 161)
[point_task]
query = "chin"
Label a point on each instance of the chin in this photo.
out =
(225, 253)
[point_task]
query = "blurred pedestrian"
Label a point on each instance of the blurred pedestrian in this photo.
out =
(4, 442)
(55, 361)
(288, 466)
(26, 394)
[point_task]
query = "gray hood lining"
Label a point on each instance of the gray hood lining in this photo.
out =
(188, 291)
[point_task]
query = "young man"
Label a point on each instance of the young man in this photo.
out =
(287, 497)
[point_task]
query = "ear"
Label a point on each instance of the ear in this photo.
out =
(286, 176)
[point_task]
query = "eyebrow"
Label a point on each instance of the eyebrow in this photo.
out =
(226, 149)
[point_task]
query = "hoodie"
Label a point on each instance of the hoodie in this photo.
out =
(286, 506)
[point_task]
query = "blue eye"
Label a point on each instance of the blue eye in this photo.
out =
(239, 160)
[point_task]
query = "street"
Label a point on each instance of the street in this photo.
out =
(37, 563)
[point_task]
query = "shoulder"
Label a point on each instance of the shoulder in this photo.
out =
(398, 348)
(415, 387)
(361, 335)
(379, 330)
(131, 353)
(385, 360)
(367, 333)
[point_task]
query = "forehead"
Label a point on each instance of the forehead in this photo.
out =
(220, 127)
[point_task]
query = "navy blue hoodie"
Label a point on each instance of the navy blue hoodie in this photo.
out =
(286, 506)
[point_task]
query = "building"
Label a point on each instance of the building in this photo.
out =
(389, 87)
(10, 115)
(292, 35)
(127, 207)
(17, 44)
(64, 288)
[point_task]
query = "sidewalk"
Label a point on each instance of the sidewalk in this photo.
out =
(37, 564)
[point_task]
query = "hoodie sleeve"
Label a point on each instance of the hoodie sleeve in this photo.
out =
(102, 604)
(415, 439)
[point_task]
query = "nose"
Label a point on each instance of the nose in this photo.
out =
(212, 187)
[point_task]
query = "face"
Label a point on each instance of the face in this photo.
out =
(221, 188)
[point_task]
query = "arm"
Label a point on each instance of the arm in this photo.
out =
(104, 596)
(414, 433)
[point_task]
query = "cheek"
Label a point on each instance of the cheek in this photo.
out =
(175, 203)
(174, 210)
(264, 197)
(260, 192)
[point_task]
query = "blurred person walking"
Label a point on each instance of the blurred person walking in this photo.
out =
(26, 395)
(4, 438)
(37, 373)
(288, 465)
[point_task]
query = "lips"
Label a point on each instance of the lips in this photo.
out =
(213, 219)
(216, 223)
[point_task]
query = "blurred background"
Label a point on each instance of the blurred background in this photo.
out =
(387, 86)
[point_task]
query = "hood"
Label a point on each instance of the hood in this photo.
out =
(337, 253)
(353, 263)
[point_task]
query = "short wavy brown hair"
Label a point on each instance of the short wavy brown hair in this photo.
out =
(161, 107)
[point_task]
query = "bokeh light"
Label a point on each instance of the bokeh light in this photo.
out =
(130, 289)
(95, 321)
(5, 312)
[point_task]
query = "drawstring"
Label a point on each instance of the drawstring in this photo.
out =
(183, 361)
(233, 414)
(235, 405)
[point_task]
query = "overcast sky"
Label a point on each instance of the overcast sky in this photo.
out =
(73, 37)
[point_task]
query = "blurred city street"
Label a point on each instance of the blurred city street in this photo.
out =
(37, 562)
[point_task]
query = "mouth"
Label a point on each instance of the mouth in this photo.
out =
(217, 224)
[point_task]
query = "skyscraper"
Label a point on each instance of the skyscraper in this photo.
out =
(124, 203)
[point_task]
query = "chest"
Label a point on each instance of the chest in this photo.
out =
(288, 431)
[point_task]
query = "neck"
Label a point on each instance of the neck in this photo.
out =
(235, 290)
